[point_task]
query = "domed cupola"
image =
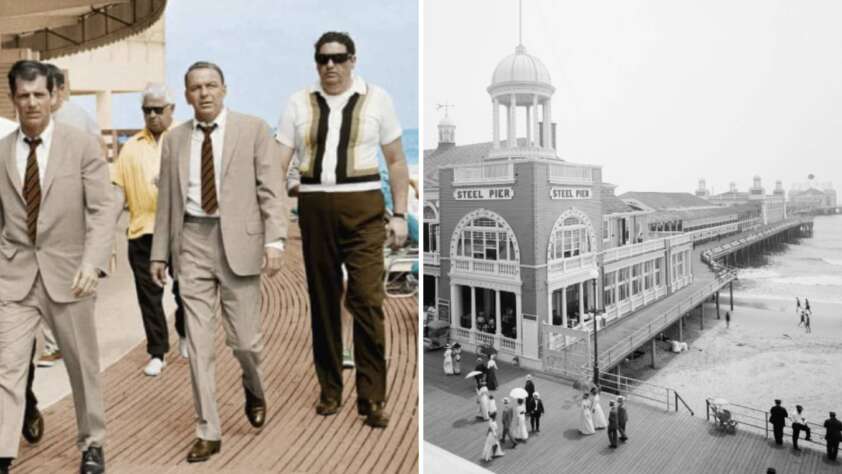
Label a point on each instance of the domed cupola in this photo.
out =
(522, 80)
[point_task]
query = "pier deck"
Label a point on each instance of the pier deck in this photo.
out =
(659, 441)
(150, 421)
(610, 344)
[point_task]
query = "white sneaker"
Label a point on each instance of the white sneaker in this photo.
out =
(182, 347)
(154, 367)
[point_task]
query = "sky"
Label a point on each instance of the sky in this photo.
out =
(659, 93)
(265, 48)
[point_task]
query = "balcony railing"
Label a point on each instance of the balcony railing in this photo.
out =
(521, 152)
(564, 173)
(487, 267)
(572, 263)
(628, 251)
(498, 341)
(431, 258)
(487, 173)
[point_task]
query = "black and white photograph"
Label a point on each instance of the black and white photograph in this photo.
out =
(632, 258)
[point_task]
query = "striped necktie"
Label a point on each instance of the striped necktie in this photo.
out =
(32, 189)
(209, 202)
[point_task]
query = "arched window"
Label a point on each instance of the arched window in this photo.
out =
(431, 229)
(572, 235)
(484, 235)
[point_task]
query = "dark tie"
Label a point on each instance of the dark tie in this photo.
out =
(32, 189)
(209, 203)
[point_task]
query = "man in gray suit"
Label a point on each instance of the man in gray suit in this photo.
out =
(222, 220)
(56, 229)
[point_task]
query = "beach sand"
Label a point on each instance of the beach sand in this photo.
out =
(763, 355)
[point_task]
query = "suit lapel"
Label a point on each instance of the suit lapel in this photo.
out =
(55, 160)
(12, 166)
(184, 160)
(232, 133)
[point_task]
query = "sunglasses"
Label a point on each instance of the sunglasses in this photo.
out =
(336, 58)
(157, 110)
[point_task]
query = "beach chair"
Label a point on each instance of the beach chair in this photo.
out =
(401, 276)
(725, 422)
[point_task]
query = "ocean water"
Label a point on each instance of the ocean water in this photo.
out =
(410, 146)
(810, 267)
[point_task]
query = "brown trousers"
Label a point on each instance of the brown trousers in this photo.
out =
(336, 229)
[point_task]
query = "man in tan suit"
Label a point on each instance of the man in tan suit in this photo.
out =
(222, 220)
(56, 229)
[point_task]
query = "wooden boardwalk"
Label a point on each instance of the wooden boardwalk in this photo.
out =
(659, 441)
(150, 422)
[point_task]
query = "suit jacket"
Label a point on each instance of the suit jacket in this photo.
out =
(622, 415)
(251, 209)
(508, 414)
(833, 430)
(612, 419)
(75, 220)
(778, 415)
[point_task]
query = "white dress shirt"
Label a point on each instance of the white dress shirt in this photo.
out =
(194, 183)
(41, 152)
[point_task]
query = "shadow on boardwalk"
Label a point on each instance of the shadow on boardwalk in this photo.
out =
(659, 441)
(150, 422)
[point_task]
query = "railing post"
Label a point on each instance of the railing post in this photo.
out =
(676, 402)
(668, 398)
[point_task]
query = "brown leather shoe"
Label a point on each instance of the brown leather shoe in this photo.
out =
(33, 427)
(327, 406)
(377, 416)
(255, 410)
(203, 449)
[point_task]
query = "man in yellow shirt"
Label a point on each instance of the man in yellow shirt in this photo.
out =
(135, 173)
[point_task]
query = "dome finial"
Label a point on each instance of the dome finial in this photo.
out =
(520, 23)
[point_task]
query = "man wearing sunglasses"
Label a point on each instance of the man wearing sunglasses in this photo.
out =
(135, 173)
(336, 128)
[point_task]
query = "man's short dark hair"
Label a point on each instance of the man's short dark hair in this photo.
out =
(28, 71)
(336, 37)
(204, 65)
(57, 73)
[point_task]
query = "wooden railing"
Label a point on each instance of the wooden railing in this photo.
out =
(628, 251)
(498, 341)
(571, 263)
(566, 173)
(489, 267)
(487, 173)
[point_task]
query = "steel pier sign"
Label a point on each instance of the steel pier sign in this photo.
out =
(483, 194)
(557, 192)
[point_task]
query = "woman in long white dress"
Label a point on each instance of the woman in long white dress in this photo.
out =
(448, 361)
(482, 401)
(521, 433)
(586, 417)
(599, 421)
(492, 448)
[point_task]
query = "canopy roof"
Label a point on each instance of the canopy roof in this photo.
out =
(57, 28)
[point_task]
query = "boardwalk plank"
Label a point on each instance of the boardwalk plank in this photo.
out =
(151, 421)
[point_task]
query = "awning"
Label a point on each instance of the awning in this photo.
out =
(57, 28)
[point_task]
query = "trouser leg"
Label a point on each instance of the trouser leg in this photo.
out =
(179, 306)
(31, 400)
(319, 228)
(18, 324)
(75, 331)
(361, 244)
(795, 433)
(240, 298)
(149, 297)
(199, 294)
